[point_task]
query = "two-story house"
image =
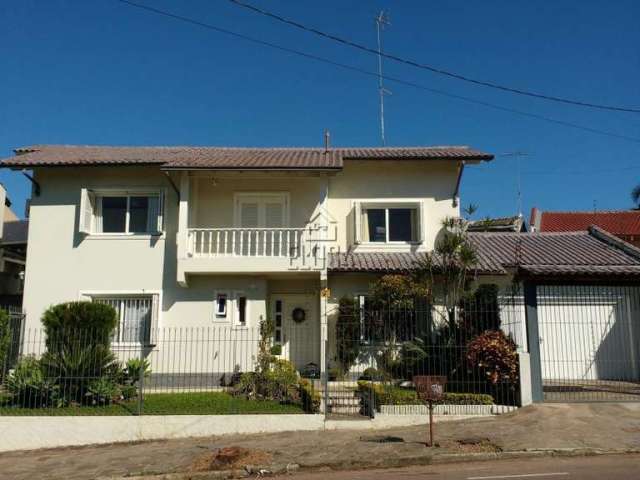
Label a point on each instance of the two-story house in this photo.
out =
(194, 237)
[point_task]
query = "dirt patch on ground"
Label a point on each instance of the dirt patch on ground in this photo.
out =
(231, 458)
(472, 445)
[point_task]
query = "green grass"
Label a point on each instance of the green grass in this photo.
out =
(208, 403)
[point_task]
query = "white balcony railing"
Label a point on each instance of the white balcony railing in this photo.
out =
(292, 243)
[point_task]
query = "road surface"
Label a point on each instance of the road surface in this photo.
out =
(605, 467)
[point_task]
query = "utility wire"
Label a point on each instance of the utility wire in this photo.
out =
(431, 68)
(375, 74)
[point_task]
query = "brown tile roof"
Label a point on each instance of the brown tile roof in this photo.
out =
(227, 157)
(593, 253)
(622, 222)
(390, 262)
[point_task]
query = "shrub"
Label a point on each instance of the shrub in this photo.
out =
(102, 391)
(5, 341)
(371, 374)
(29, 387)
(75, 322)
(466, 399)
(335, 374)
(495, 355)
(135, 368)
(391, 395)
(309, 396)
(78, 340)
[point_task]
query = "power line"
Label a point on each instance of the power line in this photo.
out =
(375, 74)
(431, 68)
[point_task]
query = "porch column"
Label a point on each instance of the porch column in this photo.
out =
(183, 226)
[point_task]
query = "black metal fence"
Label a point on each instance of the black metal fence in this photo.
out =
(215, 370)
(379, 349)
(589, 342)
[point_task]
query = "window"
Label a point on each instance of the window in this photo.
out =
(242, 310)
(277, 333)
(136, 317)
(121, 213)
(232, 306)
(390, 224)
(221, 305)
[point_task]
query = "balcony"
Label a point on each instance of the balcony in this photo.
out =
(254, 250)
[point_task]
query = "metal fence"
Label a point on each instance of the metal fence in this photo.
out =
(181, 371)
(379, 349)
(589, 342)
(371, 357)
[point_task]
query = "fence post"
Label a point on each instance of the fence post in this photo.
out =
(141, 383)
(325, 382)
(533, 341)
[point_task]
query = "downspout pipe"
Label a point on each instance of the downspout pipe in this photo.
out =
(456, 192)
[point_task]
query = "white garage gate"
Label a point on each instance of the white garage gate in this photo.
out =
(589, 342)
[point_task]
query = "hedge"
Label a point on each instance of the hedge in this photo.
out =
(392, 395)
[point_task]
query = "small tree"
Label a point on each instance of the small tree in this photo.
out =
(347, 333)
(635, 196)
(446, 270)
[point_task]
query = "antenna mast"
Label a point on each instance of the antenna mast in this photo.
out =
(517, 155)
(381, 20)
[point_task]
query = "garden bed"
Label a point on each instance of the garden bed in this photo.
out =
(189, 403)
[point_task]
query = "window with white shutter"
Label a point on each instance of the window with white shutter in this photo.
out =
(126, 212)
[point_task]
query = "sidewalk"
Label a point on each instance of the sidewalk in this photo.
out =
(607, 427)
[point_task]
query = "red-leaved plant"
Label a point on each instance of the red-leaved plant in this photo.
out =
(494, 354)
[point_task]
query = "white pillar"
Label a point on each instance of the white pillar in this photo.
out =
(183, 226)
(526, 394)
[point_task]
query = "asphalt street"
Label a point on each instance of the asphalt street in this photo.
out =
(604, 467)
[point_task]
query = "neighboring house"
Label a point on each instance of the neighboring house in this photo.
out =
(186, 237)
(13, 249)
(503, 224)
(624, 224)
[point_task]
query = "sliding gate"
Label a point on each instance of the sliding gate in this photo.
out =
(589, 342)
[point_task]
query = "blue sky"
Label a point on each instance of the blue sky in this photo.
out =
(100, 72)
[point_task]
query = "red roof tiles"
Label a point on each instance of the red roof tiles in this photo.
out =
(625, 222)
(228, 158)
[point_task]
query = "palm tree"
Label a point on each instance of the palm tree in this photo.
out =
(635, 195)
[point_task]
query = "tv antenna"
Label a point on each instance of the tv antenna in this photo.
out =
(517, 154)
(381, 21)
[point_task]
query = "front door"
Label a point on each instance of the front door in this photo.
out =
(297, 327)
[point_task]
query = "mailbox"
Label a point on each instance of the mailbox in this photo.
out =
(430, 388)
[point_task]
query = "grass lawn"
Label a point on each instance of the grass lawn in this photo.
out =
(206, 403)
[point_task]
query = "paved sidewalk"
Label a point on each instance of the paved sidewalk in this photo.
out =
(591, 426)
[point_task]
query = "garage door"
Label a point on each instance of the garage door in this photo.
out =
(589, 342)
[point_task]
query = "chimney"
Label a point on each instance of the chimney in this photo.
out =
(327, 138)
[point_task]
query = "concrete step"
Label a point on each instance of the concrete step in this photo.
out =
(345, 402)
(343, 395)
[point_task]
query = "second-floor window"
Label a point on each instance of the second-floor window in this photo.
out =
(108, 212)
(389, 223)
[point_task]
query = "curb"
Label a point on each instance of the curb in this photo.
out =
(440, 459)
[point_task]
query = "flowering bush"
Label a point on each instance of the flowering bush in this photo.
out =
(495, 355)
